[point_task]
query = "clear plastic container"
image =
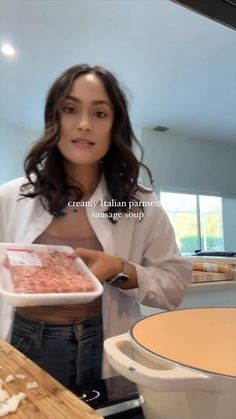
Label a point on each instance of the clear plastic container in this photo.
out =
(14, 257)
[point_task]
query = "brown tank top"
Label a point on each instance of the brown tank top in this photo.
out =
(70, 312)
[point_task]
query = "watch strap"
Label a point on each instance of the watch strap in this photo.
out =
(125, 267)
(122, 276)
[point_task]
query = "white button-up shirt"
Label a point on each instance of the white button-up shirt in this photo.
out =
(163, 274)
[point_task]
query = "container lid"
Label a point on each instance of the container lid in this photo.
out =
(201, 338)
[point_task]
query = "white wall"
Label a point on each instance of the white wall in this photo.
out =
(229, 223)
(1, 148)
(14, 143)
(186, 164)
(182, 164)
(138, 134)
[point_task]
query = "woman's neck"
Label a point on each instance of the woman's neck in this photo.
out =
(87, 177)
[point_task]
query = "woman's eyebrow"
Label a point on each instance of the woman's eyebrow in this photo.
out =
(94, 102)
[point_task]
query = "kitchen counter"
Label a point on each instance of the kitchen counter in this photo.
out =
(194, 287)
(49, 400)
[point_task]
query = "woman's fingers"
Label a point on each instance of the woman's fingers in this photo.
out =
(81, 251)
(89, 256)
(101, 264)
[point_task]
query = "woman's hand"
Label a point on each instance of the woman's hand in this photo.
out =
(102, 265)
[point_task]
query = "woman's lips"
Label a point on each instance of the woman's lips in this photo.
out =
(82, 143)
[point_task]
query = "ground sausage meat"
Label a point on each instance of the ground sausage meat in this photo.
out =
(58, 274)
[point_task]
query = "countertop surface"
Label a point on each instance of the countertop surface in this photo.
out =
(217, 285)
(49, 400)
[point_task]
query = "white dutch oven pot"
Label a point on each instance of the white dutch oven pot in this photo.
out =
(184, 363)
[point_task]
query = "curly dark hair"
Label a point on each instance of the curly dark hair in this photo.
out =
(44, 166)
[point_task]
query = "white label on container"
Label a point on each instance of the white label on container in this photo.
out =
(210, 267)
(23, 258)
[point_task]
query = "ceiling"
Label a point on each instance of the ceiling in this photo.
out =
(178, 67)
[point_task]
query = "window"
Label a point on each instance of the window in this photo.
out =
(196, 219)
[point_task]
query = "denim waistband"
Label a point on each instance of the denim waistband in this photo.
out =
(68, 330)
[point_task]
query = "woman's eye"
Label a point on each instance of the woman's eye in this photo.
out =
(69, 109)
(101, 114)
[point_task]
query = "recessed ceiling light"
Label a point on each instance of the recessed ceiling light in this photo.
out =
(7, 49)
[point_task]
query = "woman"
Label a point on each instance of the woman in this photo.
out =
(85, 155)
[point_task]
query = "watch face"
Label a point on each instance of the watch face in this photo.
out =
(118, 280)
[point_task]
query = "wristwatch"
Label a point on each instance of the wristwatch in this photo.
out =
(122, 277)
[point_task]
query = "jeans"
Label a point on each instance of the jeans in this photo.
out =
(71, 353)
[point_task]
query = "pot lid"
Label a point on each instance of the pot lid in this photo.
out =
(201, 338)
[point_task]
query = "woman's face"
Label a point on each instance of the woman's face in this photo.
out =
(86, 119)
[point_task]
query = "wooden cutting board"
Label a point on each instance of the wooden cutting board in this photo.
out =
(200, 276)
(49, 400)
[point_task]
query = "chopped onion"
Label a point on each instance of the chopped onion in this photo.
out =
(21, 376)
(3, 395)
(11, 404)
(30, 386)
(9, 378)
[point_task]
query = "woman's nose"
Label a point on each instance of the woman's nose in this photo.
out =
(83, 123)
(84, 129)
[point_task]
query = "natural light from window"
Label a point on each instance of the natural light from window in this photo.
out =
(196, 219)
